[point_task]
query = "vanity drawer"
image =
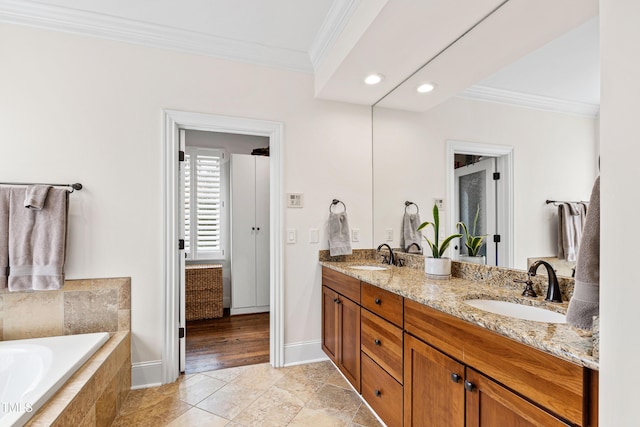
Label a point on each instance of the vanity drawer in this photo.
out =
(382, 392)
(342, 284)
(383, 303)
(382, 341)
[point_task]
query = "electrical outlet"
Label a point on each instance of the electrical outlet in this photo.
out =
(389, 234)
(355, 235)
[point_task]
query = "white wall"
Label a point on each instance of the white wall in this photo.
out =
(81, 109)
(620, 202)
(553, 159)
(231, 144)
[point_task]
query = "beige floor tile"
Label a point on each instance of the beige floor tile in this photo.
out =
(301, 389)
(228, 374)
(319, 371)
(316, 418)
(365, 418)
(336, 401)
(338, 380)
(276, 407)
(195, 417)
(230, 400)
(196, 388)
(153, 415)
(259, 377)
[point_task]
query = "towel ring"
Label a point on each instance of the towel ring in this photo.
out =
(407, 204)
(335, 202)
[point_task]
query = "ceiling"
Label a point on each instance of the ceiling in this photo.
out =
(340, 41)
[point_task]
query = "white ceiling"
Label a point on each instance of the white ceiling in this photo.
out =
(342, 40)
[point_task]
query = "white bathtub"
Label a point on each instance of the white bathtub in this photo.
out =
(32, 370)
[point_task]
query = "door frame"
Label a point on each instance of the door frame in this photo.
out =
(174, 121)
(504, 191)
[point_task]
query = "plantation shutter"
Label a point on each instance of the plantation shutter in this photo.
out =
(187, 205)
(205, 204)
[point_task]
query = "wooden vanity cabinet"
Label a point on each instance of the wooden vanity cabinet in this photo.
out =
(341, 323)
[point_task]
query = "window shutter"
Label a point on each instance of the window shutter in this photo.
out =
(187, 205)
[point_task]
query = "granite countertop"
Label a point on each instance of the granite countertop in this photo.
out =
(562, 340)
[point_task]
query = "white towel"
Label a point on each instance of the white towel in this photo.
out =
(410, 233)
(37, 241)
(4, 235)
(339, 241)
(35, 196)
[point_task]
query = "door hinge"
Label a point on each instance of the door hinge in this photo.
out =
(180, 332)
(496, 238)
(181, 244)
(181, 156)
(496, 176)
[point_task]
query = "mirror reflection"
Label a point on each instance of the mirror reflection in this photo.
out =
(533, 126)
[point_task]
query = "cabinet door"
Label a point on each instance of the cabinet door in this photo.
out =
(262, 229)
(433, 387)
(243, 233)
(330, 323)
(349, 340)
(489, 404)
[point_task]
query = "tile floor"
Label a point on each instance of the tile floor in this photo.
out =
(255, 395)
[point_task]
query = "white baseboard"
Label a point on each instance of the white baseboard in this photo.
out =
(250, 310)
(303, 352)
(146, 374)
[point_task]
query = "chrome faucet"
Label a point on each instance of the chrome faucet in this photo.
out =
(412, 245)
(391, 259)
(553, 289)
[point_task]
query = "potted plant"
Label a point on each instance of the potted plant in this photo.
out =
(437, 266)
(473, 243)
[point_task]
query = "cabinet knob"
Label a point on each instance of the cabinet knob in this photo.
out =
(336, 300)
(253, 228)
(455, 378)
(377, 342)
(258, 228)
(469, 386)
(377, 301)
(378, 393)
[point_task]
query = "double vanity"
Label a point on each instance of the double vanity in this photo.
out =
(436, 352)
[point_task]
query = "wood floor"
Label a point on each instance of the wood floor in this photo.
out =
(227, 342)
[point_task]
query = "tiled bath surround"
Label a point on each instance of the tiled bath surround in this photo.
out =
(94, 394)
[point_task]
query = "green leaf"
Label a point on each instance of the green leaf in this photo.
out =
(446, 242)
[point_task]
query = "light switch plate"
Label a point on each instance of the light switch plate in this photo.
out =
(294, 200)
(292, 236)
(388, 234)
(313, 235)
(355, 235)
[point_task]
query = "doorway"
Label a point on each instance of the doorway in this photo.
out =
(174, 121)
(480, 181)
(226, 232)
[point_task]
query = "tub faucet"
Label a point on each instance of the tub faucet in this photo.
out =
(391, 259)
(553, 289)
(412, 245)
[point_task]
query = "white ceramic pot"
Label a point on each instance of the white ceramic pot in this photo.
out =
(473, 259)
(437, 268)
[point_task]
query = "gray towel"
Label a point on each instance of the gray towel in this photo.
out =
(410, 233)
(339, 241)
(37, 241)
(4, 235)
(585, 302)
(571, 217)
(35, 196)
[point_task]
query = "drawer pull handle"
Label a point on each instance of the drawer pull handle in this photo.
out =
(377, 342)
(455, 378)
(378, 393)
(377, 301)
(336, 300)
(469, 386)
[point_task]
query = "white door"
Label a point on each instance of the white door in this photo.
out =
(474, 187)
(262, 231)
(181, 254)
(243, 232)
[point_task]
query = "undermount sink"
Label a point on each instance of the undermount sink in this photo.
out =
(369, 267)
(519, 311)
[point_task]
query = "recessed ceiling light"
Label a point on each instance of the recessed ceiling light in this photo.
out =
(373, 79)
(426, 87)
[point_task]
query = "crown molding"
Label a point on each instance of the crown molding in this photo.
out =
(25, 12)
(486, 93)
(334, 23)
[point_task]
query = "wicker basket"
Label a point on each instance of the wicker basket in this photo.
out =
(203, 291)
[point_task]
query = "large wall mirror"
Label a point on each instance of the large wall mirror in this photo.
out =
(525, 107)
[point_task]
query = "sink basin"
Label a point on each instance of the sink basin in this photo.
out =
(369, 267)
(519, 311)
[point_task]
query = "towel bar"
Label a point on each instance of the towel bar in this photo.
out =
(74, 187)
